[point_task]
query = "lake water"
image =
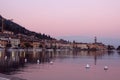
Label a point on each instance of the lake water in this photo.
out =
(67, 65)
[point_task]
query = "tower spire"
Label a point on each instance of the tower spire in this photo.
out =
(95, 39)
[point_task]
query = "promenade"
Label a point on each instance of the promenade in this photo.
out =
(8, 77)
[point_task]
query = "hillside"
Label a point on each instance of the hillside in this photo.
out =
(17, 29)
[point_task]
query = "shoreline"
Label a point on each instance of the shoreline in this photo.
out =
(9, 77)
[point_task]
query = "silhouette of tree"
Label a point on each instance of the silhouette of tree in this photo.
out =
(40, 46)
(118, 48)
(8, 45)
(28, 45)
(110, 47)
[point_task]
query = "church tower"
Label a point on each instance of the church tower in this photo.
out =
(95, 40)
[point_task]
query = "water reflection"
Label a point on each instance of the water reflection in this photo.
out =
(111, 52)
(118, 52)
(12, 61)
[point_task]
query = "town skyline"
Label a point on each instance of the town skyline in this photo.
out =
(67, 18)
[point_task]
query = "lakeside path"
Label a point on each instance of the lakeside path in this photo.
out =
(9, 77)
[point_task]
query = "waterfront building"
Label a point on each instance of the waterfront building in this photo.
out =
(3, 43)
(14, 42)
(82, 46)
(36, 44)
(8, 32)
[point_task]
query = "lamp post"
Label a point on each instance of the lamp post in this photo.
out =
(2, 30)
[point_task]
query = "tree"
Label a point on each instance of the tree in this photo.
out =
(28, 45)
(40, 46)
(118, 48)
(8, 45)
(110, 47)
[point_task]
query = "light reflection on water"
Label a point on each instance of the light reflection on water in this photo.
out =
(67, 65)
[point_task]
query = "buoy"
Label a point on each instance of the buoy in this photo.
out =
(25, 60)
(51, 62)
(106, 68)
(87, 66)
(38, 61)
(5, 57)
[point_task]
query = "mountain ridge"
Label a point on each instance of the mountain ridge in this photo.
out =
(18, 29)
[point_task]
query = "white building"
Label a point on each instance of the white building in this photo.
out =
(82, 46)
(14, 42)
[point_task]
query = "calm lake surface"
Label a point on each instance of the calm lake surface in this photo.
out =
(67, 65)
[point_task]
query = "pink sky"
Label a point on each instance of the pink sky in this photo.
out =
(65, 17)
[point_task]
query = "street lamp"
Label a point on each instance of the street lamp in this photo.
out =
(2, 25)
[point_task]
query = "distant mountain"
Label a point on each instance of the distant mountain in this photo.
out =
(17, 29)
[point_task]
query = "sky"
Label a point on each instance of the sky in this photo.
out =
(69, 19)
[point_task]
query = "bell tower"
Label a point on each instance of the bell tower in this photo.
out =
(95, 39)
